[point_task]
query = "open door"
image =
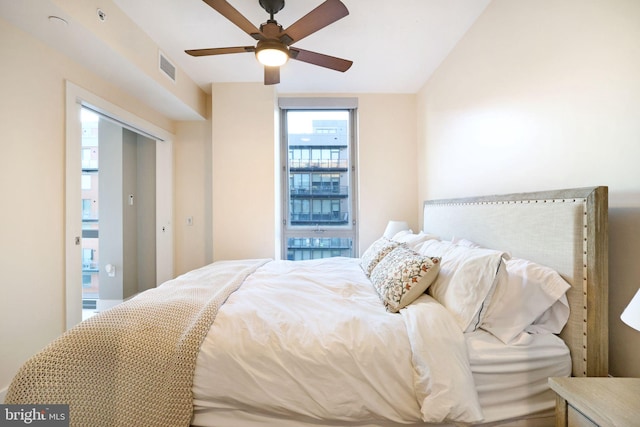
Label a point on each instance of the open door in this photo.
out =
(135, 215)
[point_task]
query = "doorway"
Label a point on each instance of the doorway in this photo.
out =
(118, 213)
(138, 189)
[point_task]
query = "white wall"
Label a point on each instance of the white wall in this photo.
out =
(145, 201)
(112, 220)
(542, 94)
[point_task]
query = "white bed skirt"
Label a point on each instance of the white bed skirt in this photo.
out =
(207, 417)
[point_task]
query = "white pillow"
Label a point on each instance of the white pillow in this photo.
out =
(401, 233)
(524, 293)
(465, 242)
(553, 320)
(466, 280)
(470, 244)
(402, 276)
(413, 241)
(374, 253)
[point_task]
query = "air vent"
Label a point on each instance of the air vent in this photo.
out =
(167, 67)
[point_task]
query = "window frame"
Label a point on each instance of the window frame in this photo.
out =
(349, 230)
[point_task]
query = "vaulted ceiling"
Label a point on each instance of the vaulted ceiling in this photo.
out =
(394, 45)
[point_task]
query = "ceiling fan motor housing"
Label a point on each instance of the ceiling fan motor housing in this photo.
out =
(272, 6)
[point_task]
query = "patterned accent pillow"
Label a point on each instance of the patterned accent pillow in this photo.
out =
(402, 276)
(374, 253)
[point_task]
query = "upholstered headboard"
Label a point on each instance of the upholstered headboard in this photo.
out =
(566, 230)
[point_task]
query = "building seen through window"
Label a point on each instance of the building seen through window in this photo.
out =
(89, 182)
(319, 222)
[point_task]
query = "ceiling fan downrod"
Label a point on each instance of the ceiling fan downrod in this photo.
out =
(272, 6)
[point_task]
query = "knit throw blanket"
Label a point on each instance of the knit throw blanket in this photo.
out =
(133, 365)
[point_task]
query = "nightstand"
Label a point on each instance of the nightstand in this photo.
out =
(599, 402)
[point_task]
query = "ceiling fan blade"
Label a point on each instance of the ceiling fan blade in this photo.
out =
(271, 75)
(320, 59)
(220, 50)
(229, 12)
(327, 13)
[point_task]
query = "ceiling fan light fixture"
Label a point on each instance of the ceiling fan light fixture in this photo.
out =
(272, 53)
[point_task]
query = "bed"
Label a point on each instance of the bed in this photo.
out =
(248, 343)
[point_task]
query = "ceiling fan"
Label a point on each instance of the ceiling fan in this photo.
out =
(274, 43)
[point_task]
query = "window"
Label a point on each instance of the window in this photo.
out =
(87, 211)
(319, 188)
(86, 182)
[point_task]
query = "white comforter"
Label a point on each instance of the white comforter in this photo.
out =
(311, 339)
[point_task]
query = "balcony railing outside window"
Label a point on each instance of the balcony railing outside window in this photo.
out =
(315, 190)
(315, 248)
(318, 164)
(334, 218)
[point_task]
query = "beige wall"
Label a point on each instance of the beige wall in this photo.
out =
(245, 209)
(193, 196)
(387, 151)
(244, 152)
(32, 170)
(119, 35)
(542, 94)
